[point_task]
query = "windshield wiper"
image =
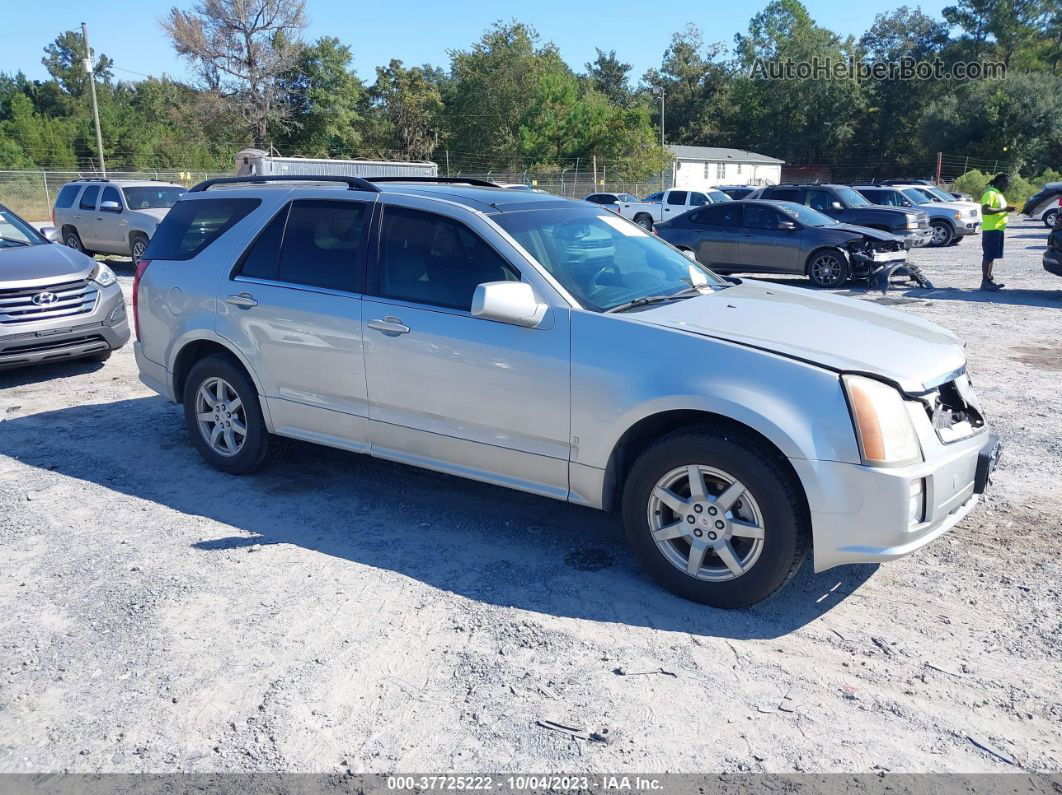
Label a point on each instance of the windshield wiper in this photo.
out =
(645, 300)
(13, 240)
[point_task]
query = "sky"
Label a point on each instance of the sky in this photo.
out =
(417, 31)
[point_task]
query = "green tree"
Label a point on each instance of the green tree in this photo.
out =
(324, 97)
(610, 76)
(64, 60)
(406, 107)
(999, 28)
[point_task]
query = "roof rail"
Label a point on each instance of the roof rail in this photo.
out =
(352, 183)
(480, 183)
(92, 179)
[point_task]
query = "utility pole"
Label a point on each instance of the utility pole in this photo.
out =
(89, 70)
(936, 178)
(658, 91)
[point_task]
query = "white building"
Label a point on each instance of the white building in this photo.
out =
(702, 167)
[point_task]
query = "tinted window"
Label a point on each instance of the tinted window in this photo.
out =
(191, 226)
(698, 200)
(433, 260)
(784, 195)
(596, 198)
(805, 215)
(720, 215)
(144, 198)
(820, 200)
(759, 217)
(88, 198)
(262, 259)
(655, 197)
(66, 196)
(677, 197)
(110, 195)
(323, 244)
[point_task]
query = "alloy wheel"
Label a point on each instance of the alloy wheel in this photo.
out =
(706, 523)
(826, 269)
(139, 247)
(221, 416)
(940, 235)
(73, 242)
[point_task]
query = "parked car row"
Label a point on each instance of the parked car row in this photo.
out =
(657, 207)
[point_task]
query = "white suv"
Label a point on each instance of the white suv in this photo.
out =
(112, 216)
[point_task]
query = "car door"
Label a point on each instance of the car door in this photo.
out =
(449, 390)
(292, 306)
(765, 247)
(717, 235)
(112, 228)
(85, 216)
(674, 204)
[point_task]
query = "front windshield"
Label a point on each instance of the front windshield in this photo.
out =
(916, 195)
(851, 197)
(805, 215)
(718, 196)
(936, 194)
(16, 233)
(603, 261)
(147, 198)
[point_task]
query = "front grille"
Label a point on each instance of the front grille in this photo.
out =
(55, 346)
(66, 299)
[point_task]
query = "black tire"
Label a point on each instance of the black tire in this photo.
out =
(645, 221)
(943, 234)
(828, 277)
(71, 239)
(137, 246)
(259, 446)
(786, 526)
(958, 239)
(1049, 218)
(99, 357)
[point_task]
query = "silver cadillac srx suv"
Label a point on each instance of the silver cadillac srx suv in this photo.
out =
(553, 347)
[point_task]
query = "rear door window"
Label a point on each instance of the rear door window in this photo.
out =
(66, 196)
(88, 198)
(193, 225)
(677, 197)
(728, 214)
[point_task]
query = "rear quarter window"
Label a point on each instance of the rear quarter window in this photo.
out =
(66, 196)
(191, 226)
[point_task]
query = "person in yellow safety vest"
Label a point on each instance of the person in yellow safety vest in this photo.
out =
(994, 208)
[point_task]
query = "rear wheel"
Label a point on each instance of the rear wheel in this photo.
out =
(1049, 218)
(942, 234)
(645, 221)
(224, 418)
(137, 246)
(72, 239)
(714, 517)
(828, 268)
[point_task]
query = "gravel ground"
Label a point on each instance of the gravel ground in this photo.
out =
(338, 613)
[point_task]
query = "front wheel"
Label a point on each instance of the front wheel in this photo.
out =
(828, 269)
(224, 418)
(1049, 218)
(715, 518)
(942, 234)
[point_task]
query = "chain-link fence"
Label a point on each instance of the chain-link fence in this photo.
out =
(31, 194)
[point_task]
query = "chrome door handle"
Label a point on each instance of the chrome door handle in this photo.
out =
(390, 325)
(242, 300)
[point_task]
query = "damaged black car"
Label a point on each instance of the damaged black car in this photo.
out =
(759, 236)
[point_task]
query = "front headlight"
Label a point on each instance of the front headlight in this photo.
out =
(957, 216)
(882, 425)
(102, 275)
(912, 222)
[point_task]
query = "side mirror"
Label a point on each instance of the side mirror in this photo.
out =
(50, 233)
(788, 226)
(508, 302)
(689, 254)
(836, 206)
(110, 207)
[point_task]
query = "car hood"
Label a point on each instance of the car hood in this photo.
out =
(865, 231)
(842, 334)
(30, 266)
(963, 207)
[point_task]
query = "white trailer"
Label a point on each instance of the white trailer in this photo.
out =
(255, 162)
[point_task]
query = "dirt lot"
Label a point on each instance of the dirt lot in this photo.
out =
(343, 613)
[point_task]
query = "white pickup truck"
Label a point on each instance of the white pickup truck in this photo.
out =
(667, 204)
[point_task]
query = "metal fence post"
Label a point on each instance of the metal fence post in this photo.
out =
(47, 193)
